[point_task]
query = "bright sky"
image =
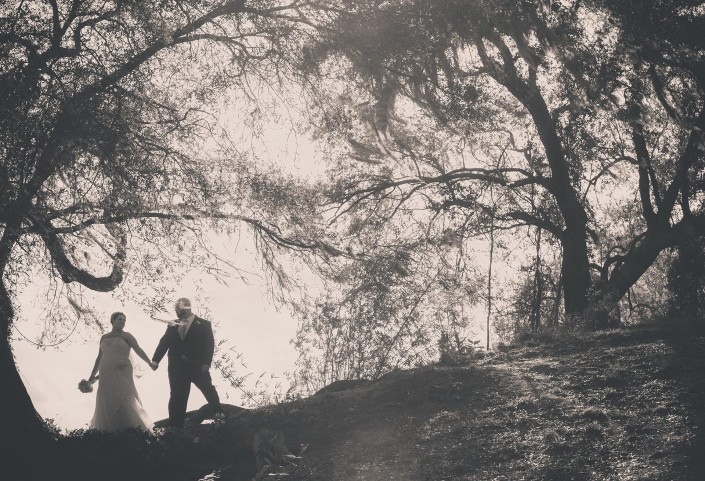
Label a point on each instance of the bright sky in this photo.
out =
(246, 319)
(245, 314)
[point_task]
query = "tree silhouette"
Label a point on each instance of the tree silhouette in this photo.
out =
(575, 101)
(104, 139)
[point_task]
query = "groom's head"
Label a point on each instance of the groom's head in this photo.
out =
(183, 308)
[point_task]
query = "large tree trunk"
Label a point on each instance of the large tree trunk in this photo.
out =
(686, 279)
(575, 271)
(634, 264)
(23, 437)
(576, 263)
(644, 253)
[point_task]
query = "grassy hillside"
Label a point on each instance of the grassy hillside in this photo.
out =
(617, 406)
(624, 405)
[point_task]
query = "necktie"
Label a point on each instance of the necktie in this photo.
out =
(182, 329)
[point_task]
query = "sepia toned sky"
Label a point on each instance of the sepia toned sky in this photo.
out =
(243, 315)
(243, 312)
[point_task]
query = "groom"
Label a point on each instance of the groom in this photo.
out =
(190, 345)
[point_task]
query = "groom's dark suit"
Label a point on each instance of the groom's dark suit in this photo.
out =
(186, 358)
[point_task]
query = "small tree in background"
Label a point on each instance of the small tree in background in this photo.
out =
(385, 309)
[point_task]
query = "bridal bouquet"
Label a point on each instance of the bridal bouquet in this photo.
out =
(85, 386)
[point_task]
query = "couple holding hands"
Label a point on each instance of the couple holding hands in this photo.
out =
(189, 343)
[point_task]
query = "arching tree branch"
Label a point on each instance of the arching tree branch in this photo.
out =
(70, 273)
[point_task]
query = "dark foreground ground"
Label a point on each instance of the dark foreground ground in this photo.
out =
(625, 405)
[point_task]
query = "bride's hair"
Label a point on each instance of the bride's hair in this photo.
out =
(114, 315)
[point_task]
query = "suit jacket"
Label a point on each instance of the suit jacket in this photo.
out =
(196, 347)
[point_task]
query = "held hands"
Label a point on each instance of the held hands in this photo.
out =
(155, 366)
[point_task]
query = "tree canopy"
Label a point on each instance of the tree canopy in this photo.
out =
(443, 121)
(110, 138)
(529, 114)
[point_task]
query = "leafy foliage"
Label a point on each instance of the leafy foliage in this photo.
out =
(527, 112)
(114, 159)
(384, 310)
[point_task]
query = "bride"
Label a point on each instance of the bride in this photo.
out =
(117, 404)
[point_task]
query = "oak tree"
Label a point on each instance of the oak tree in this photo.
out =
(559, 107)
(109, 139)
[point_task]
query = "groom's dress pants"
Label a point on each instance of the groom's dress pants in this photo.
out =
(181, 376)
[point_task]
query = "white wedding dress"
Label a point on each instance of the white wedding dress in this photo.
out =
(117, 404)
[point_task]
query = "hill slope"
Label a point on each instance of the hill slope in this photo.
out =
(615, 406)
(624, 405)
